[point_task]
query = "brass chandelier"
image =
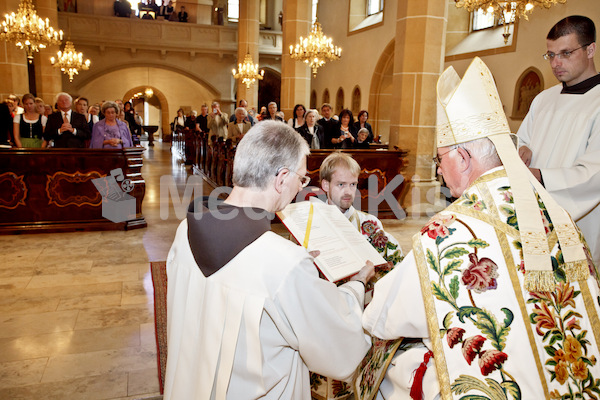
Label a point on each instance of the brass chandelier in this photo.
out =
(507, 11)
(316, 49)
(28, 30)
(248, 71)
(69, 61)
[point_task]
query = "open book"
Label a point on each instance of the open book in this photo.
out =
(344, 251)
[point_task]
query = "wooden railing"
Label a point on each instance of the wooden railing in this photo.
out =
(214, 160)
(52, 189)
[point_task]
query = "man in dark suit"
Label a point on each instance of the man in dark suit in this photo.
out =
(329, 124)
(66, 127)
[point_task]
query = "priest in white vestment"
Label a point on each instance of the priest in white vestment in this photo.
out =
(339, 174)
(248, 315)
(497, 286)
(561, 133)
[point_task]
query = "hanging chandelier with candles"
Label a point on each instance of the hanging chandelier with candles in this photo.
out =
(28, 30)
(69, 61)
(248, 72)
(506, 11)
(316, 49)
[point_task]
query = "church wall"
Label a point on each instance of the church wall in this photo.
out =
(179, 90)
(191, 64)
(531, 44)
(361, 52)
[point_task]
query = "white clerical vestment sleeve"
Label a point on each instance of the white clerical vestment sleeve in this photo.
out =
(399, 291)
(563, 132)
(571, 186)
(324, 319)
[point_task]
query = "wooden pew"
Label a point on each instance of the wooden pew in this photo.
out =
(385, 165)
(216, 164)
(52, 189)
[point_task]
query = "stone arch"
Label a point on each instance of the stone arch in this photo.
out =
(269, 89)
(326, 98)
(380, 96)
(339, 101)
(93, 76)
(529, 85)
(177, 89)
(313, 99)
(355, 102)
(162, 99)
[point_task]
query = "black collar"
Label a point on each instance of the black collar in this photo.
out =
(582, 87)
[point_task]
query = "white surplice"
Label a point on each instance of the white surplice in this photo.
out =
(563, 132)
(460, 289)
(254, 328)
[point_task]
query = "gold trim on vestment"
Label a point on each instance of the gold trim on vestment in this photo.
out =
(552, 240)
(514, 279)
(374, 390)
(488, 199)
(432, 319)
(490, 177)
(496, 223)
(354, 217)
(588, 300)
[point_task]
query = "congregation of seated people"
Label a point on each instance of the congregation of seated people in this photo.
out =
(28, 122)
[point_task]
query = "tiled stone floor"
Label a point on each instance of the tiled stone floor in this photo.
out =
(76, 309)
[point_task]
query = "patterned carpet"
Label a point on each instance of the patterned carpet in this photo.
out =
(159, 281)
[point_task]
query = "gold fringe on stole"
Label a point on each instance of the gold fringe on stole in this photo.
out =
(540, 281)
(568, 236)
(577, 270)
(432, 319)
(588, 300)
(514, 279)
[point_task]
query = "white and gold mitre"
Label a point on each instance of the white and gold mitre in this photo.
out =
(471, 109)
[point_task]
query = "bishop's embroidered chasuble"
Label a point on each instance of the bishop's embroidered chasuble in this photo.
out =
(462, 291)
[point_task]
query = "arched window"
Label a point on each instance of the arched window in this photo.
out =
(326, 96)
(313, 99)
(356, 100)
(529, 85)
(339, 101)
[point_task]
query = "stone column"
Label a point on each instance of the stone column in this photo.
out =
(248, 28)
(295, 75)
(418, 62)
(13, 62)
(47, 77)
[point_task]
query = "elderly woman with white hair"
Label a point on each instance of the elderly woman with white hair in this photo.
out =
(238, 128)
(110, 133)
(312, 132)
